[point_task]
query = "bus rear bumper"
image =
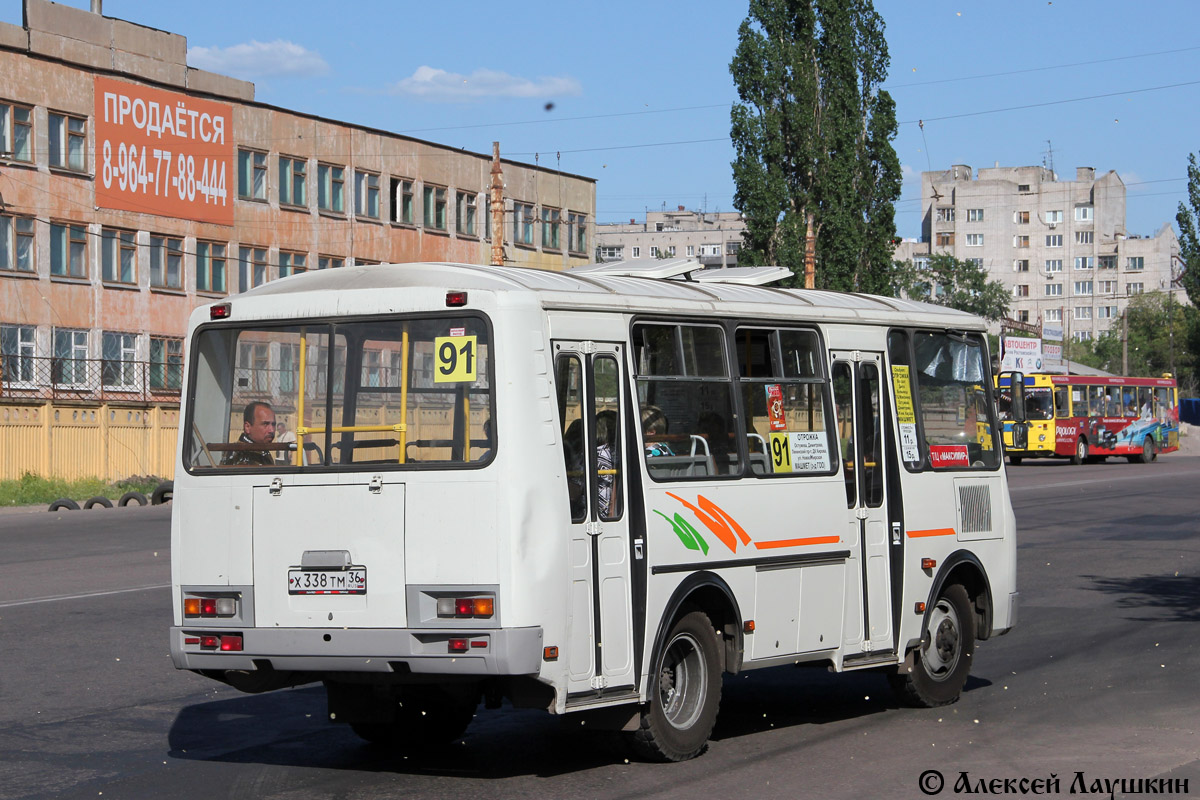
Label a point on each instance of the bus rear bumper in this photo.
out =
(496, 651)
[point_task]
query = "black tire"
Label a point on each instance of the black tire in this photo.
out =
(163, 493)
(1081, 452)
(685, 688)
(426, 717)
(132, 497)
(1148, 451)
(942, 661)
(1015, 460)
(64, 504)
(103, 502)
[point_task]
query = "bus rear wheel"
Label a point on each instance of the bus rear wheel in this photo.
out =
(942, 661)
(1081, 452)
(685, 693)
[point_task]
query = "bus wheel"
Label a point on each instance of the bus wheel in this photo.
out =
(426, 716)
(1148, 452)
(943, 659)
(1081, 451)
(685, 689)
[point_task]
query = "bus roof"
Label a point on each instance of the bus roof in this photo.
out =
(383, 284)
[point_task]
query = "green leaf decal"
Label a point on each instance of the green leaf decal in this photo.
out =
(690, 537)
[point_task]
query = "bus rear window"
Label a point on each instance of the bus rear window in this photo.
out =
(374, 393)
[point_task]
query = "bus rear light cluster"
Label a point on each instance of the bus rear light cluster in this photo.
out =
(209, 606)
(466, 607)
(462, 645)
(229, 642)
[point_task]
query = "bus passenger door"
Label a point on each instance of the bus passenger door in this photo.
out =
(857, 391)
(589, 388)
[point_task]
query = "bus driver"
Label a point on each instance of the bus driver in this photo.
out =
(258, 427)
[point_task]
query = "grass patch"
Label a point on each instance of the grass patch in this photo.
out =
(31, 490)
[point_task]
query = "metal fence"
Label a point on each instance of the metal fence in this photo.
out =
(89, 379)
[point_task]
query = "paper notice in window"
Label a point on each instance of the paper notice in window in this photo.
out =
(905, 416)
(810, 452)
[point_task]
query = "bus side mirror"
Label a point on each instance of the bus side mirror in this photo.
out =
(1016, 382)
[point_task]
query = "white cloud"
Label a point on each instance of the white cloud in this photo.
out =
(256, 59)
(430, 83)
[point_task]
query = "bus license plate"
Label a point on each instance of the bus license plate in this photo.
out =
(318, 581)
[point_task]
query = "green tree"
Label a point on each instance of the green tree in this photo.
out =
(946, 281)
(1189, 233)
(1162, 338)
(814, 165)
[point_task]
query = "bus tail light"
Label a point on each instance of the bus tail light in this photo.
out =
(220, 311)
(458, 645)
(210, 642)
(209, 606)
(231, 642)
(464, 607)
(456, 299)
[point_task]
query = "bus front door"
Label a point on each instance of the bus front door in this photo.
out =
(589, 389)
(857, 392)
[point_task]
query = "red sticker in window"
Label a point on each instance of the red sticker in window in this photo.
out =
(458, 331)
(949, 455)
(775, 407)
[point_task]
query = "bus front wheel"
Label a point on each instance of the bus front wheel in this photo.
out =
(942, 660)
(1081, 452)
(685, 693)
(1148, 452)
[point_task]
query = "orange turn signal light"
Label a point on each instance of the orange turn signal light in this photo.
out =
(920, 608)
(549, 653)
(928, 563)
(191, 607)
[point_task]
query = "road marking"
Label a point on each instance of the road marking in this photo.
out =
(56, 598)
(1106, 479)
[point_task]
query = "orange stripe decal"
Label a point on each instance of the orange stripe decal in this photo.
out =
(798, 542)
(717, 525)
(933, 532)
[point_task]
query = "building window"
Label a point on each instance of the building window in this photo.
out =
(70, 357)
(1083, 237)
(1020, 217)
(1054, 240)
(291, 263)
(577, 233)
(974, 215)
(945, 214)
(17, 348)
(1134, 288)
(331, 188)
(119, 360)
(293, 181)
(434, 208)
(1083, 262)
(16, 243)
(68, 142)
(210, 267)
(635, 252)
(1082, 336)
(523, 224)
(920, 263)
(733, 248)
(671, 250)
(551, 218)
(118, 256)
(366, 194)
(1106, 312)
(252, 267)
(166, 262)
(166, 363)
(1021, 290)
(1083, 312)
(653, 251)
(974, 240)
(1054, 265)
(945, 239)
(252, 175)
(1053, 290)
(16, 132)
(1108, 287)
(1082, 288)
(1022, 187)
(464, 213)
(1135, 263)
(691, 249)
(402, 201)
(1022, 316)
(1083, 213)
(330, 262)
(68, 250)
(1108, 262)
(1053, 217)
(1021, 241)
(975, 262)
(1021, 265)
(610, 253)
(1052, 315)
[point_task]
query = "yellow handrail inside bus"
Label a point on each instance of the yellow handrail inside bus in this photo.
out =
(299, 426)
(466, 427)
(403, 393)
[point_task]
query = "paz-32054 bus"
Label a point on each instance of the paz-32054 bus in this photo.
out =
(592, 492)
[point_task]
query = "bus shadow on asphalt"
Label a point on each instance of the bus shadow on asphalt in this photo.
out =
(289, 728)
(1175, 597)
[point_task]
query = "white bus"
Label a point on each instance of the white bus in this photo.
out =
(592, 492)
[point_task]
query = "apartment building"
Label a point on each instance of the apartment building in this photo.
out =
(1061, 247)
(713, 239)
(134, 188)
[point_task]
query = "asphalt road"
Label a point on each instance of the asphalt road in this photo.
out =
(1099, 677)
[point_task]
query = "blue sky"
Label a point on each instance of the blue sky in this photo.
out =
(640, 92)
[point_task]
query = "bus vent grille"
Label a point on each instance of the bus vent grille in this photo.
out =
(975, 508)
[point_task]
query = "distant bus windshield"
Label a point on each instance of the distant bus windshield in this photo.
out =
(372, 393)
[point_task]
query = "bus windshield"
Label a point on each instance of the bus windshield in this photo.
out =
(374, 393)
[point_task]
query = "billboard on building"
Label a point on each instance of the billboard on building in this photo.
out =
(1020, 354)
(164, 153)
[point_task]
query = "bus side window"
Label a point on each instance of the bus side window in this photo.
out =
(843, 400)
(570, 410)
(1062, 407)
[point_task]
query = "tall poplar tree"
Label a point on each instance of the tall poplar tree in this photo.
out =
(1189, 234)
(815, 167)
